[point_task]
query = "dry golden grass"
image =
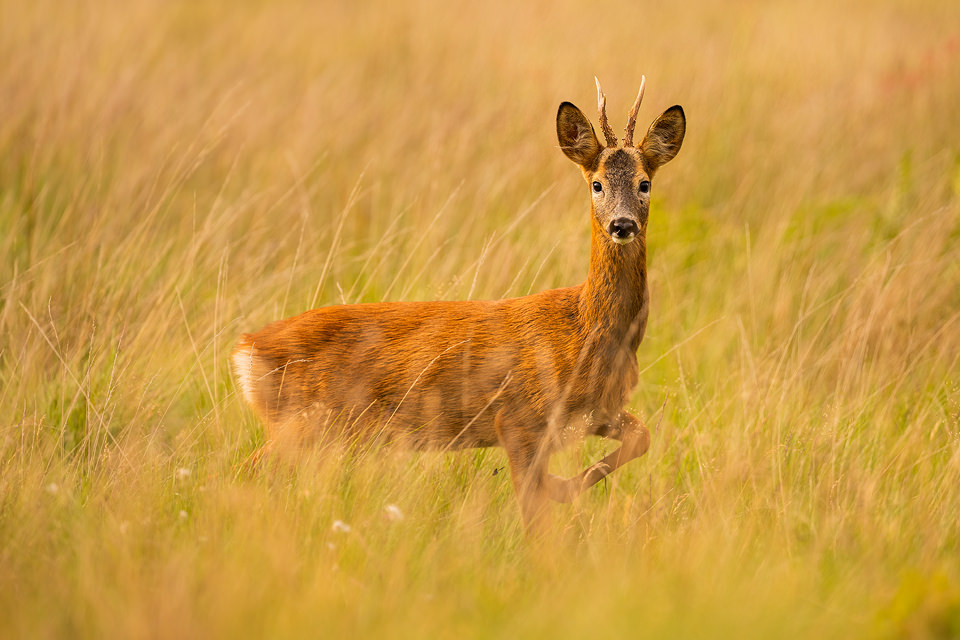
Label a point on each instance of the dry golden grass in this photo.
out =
(175, 173)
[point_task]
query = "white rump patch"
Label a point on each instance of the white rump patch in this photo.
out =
(243, 368)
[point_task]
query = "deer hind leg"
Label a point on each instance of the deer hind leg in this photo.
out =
(635, 440)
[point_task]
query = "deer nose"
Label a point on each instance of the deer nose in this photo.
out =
(623, 230)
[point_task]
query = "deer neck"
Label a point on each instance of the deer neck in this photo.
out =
(613, 300)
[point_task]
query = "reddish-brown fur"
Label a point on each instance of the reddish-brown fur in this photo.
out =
(523, 373)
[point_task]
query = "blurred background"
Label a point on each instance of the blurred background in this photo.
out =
(173, 174)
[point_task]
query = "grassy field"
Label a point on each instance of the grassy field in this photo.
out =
(173, 174)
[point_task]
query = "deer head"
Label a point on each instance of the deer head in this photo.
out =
(619, 176)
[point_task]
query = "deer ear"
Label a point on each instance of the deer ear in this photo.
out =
(664, 138)
(577, 138)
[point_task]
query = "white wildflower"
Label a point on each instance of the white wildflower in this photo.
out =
(340, 526)
(393, 513)
(52, 488)
(183, 515)
(183, 473)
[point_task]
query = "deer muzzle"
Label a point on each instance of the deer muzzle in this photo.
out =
(623, 230)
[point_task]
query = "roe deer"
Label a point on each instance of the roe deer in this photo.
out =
(522, 373)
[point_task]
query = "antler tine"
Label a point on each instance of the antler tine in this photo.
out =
(604, 125)
(632, 120)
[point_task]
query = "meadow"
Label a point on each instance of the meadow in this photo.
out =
(173, 174)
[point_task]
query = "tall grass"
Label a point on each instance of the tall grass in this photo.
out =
(175, 173)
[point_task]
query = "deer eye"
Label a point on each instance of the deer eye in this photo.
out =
(597, 187)
(645, 186)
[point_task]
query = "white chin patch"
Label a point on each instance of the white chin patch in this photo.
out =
(622, 240)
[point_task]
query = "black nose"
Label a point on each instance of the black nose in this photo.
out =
(623, 229)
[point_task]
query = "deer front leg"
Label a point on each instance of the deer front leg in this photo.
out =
(527, 465)
(635, 439)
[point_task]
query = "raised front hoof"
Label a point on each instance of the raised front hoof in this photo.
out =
(565, 490)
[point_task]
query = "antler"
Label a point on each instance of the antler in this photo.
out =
(604, 125)
(632, 120)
